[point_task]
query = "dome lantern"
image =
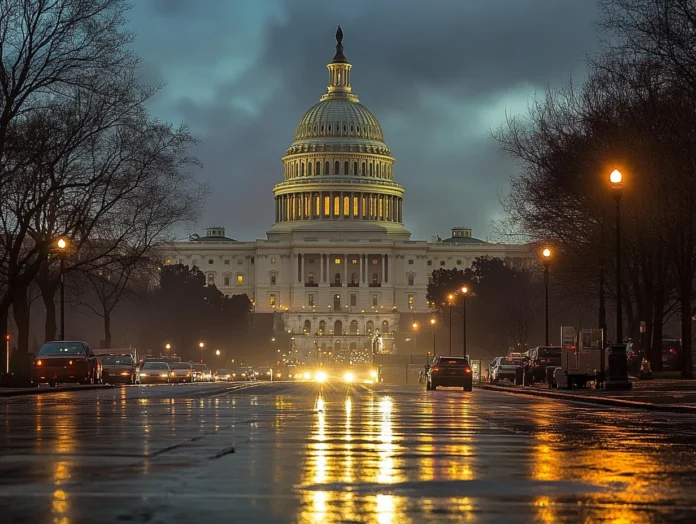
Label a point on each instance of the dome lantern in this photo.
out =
(339, 73)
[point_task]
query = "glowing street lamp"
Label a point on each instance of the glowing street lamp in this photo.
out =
(415, 327)
(464, 291)
(432, 325)
(546, 260)
(217, 352)
(62, 244)
(201, 345)
(167, 346)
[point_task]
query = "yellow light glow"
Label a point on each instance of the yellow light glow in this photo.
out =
(414, 325)
(201, 345)
(615, 177)
(373, 373)
(307, 375)
(546, 252)
(320, 376)
(217, 352)
(62, 243)
(432, 321)
(349, 377)
(464, 290)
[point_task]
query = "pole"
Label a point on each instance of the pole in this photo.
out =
(433, 342)
(7, 354)
(450, 330)
(62, 298)
(546, 320)
(619, 323)
(464, 324)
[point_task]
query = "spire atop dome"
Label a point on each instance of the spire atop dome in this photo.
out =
(339, 73)
(339, 57)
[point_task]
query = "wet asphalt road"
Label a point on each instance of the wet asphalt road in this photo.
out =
(305, 453)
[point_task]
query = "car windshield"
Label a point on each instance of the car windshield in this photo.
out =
(67, 349)
(240, 371)
(155, 365)
(180, 365)
(453, 362)
(222, 372)
(112, 360)
(510, 361)
(200, 367)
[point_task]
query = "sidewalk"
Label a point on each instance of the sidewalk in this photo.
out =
(43, 390)
(675, 396)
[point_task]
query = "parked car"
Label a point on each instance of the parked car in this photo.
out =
(154, 372)
(506, 368)
(118, 369)
(66, 361)
(542, 357)
(449, 372)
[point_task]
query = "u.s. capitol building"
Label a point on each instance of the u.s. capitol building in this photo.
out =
(338, 266)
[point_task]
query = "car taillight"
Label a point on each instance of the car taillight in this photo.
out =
(672, 351)
(39, 363)
(468, 370)
(436, 369)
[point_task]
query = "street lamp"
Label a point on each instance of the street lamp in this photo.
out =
(450, 300)
(201, 345)
(167, 346)
(432, 325)
(546, 260)
(465, 291)
(415, 335)
(62, 244)
(618, 365)
(217, 352)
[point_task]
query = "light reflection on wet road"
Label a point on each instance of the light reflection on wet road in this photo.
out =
(304, 453)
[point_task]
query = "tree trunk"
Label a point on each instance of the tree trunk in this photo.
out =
(48, 294)
(20, 312)
(687, 370)
(656, 349)
(4, 327)
(107, 329)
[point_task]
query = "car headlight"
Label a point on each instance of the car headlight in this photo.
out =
(307, 375)
(143, 374)
(349, 377)
(373, 373)
(320, 376)
(165, 375)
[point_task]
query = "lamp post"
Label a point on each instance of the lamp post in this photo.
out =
(201, 346)
(62, 246)
(464, 291)
(450, 298)
(546, 260)
(432, 325)
(415, 335)
(618, 365)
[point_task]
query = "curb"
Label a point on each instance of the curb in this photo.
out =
(45, 391)
(669, 408)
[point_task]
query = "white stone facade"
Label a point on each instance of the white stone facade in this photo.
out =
(338, 263)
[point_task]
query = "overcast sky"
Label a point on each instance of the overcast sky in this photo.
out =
(438, 74)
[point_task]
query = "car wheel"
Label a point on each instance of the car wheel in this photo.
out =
(468, 388)
(433, 386)
(427, 385)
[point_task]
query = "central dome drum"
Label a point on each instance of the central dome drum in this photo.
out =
(338, 170)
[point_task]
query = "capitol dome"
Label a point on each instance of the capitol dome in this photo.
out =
(338, 170)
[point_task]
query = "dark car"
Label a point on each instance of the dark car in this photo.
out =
(118, 369)
(264, 374)
(66, 361)
(152, 372)
(449, 372)
(542, 357)
(181, 372)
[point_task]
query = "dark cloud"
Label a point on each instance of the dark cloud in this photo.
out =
(437, 74)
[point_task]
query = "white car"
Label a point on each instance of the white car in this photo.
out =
(506, 368)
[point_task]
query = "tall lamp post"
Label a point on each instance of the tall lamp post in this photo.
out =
(450, 299)
(62, 246)
(618, 364)
(546, 260)
(464, 291)
(415, 335)
(432, 325)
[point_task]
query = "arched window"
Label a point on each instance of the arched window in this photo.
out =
(322, 327)
(326, 168)
(375, 278)
(337, 302)
(371, 173)
(337, 205)
(353, 278)
(355, 168)
(354, 327)
(307, 326)
(338, 328)
(309, 169)
(369, 327)
(318, 168)
(327, 206)
(346, 206)
(302, 169)
(363, 169)
(385, 327)
(345, 168)
(337, 167)
(379, 175)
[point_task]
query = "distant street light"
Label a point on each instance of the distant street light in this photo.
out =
(167, 346)
(546, 260)
(217, 352)
(415, 335)
(432, 324)
(62, 244)
(465, 291)
(201, 345)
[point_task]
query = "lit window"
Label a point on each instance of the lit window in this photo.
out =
(374, 300)
(273, 260)
(240, 279)
(272, 300)
(327, 206)
(354, 261)
(355, 206)
(227, 281)
(167, 262)
(310, 299)
(310, 277)
(317, 206)
(411, 279)
(337, 206)
(337, 261)
(410, 302)
(374, 261)
(346, 206)
(410, 262)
